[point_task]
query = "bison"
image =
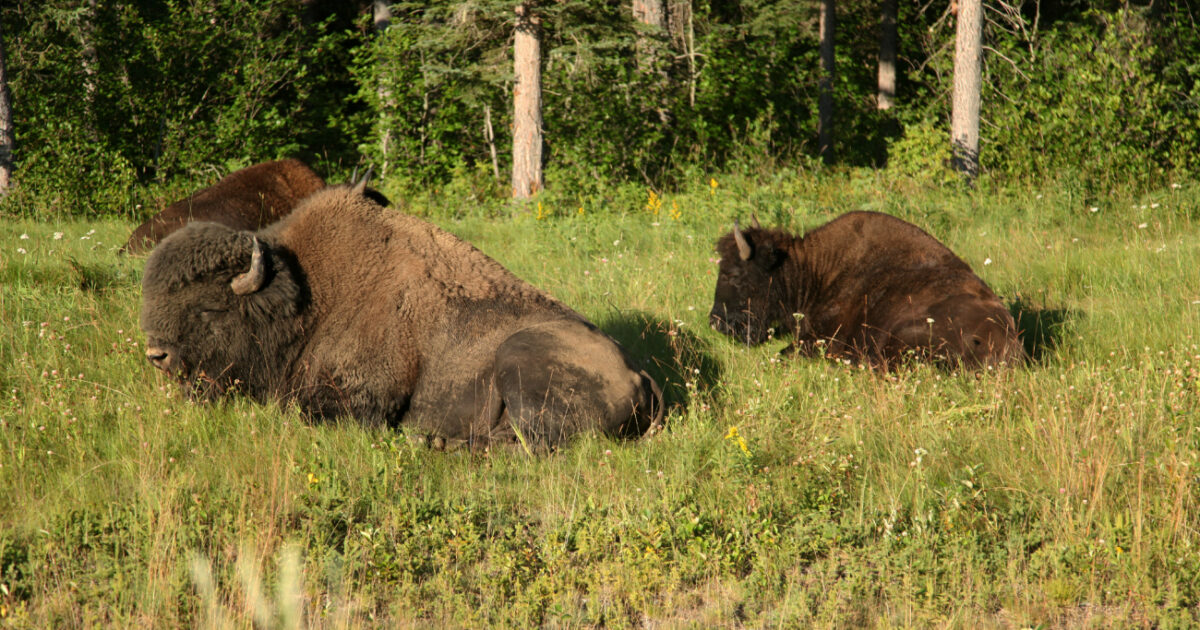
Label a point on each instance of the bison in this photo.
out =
(866, 287)
(348, 309)
(248, 199)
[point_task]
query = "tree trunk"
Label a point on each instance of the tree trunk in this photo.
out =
(964, 115)
(381, 13)
(6, 125)
(527, 105)
(825, 105)
(887, 55)
(653, 14)
(651, 41)
(490, 136)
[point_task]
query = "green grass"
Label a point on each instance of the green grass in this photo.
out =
(1060, 494)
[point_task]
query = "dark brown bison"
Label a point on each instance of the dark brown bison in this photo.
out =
(248, 199)
(352, 310)
(865, 286)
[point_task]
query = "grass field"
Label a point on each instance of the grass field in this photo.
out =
(784, 493)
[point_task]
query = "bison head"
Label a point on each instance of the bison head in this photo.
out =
(750, 290)
(221, 308)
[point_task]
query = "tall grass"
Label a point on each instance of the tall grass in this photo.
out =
(784, 493)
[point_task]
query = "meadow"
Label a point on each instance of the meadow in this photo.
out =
(783, 493)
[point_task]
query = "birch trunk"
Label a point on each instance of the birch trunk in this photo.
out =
(964, 114)
(7, 138)
(527, 105)
(887, 55)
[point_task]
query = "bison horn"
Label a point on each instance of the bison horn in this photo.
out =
(252, 280)
(754, 221)
(361, 186)
(743, 245)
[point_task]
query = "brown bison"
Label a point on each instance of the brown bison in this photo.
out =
(248, 199)
(865, 286)
(351, 310)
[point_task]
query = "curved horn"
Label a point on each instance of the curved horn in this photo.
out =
(754, 221)
(744, 250)
(252, 280)
(361, 186)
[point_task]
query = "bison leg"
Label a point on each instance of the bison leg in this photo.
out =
(561, 378)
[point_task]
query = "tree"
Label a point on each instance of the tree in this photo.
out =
(887, 55)
(381, 14)
(825, 106)
(6, 125)
(527, 104)
(653, 14)
(964, 114)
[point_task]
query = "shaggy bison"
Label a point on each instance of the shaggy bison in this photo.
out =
(348, 309)
(248, 199)
(866, 286)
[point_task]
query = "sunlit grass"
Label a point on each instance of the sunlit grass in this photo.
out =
(785, 493)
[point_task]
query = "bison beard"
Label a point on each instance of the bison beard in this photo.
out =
(348, 309)
(249, 199)
(865, 286)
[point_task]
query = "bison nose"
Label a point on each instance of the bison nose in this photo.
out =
(159, 357)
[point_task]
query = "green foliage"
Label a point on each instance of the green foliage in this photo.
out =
(107, 94)
(1103, 101)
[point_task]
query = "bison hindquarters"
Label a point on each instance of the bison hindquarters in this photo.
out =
(564, 377)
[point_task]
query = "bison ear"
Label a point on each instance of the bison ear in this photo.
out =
(252, 279)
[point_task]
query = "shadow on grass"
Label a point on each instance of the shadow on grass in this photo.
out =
(1041, 329)
(676, 358)
(97, 277)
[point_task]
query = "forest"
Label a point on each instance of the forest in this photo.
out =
(783, 491)
(111, 101)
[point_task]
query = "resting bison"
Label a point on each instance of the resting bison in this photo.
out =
(348, 309)
(248, 199)
(867, 286)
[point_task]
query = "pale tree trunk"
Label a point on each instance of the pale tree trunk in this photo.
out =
(825, 105)
(490, 136)
(6, 125)
(887, 55)
(653, 14)
(964, 114)
(91, 61)
(527, 105)
(381, 13)
(651, 40)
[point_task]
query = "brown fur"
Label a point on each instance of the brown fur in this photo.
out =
(249, 199)
(390, 319)
(865, 286)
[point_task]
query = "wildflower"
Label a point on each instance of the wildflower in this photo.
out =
(653, 202)
(928, 320)
(541, 214)
(1094, 209)
(21, 250)
(675, 213)
(987, 261)
(712, 186)
(1142, 226)
(313, 479)
(24, 237)
(732, 435)
(58, 236)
